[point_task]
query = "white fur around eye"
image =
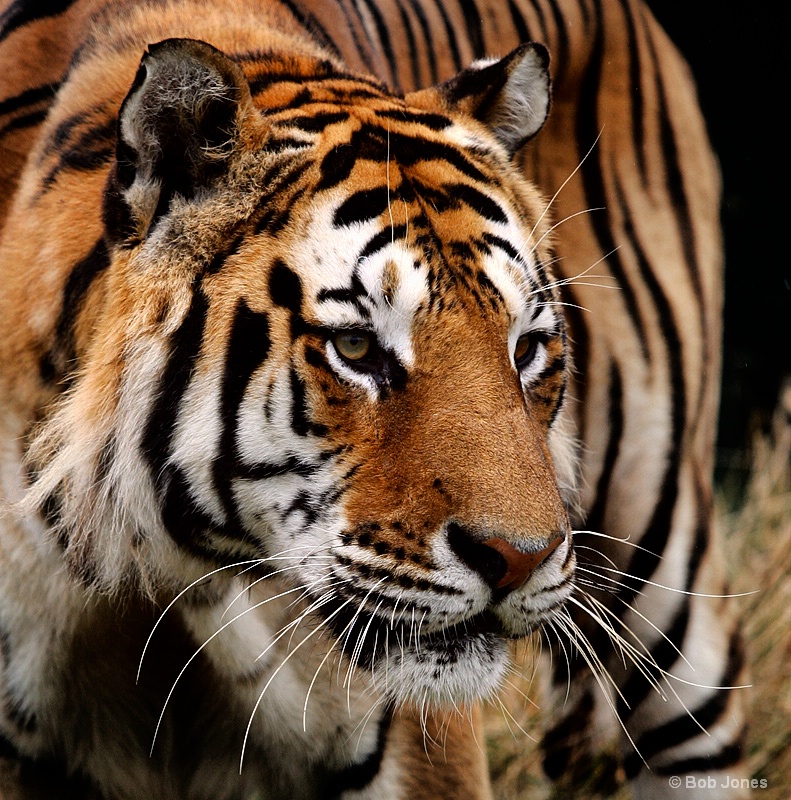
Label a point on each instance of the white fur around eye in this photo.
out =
(350, 374)
(533, 368)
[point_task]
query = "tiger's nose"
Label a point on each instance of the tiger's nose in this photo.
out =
(504, 567)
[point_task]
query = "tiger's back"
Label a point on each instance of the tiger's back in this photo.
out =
(634, 192)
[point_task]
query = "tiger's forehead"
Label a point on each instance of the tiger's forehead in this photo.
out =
(401, 216)
(381, 256)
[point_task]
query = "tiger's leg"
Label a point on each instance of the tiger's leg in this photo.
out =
(440, 756)
(683, 718)
(682, 727)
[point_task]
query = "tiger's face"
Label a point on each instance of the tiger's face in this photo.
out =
(421, 362)
(359, 357)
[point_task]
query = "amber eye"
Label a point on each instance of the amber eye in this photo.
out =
(525, 350)
(352, 345)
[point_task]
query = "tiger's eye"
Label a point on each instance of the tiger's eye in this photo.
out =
(525, 349)
(352, 345)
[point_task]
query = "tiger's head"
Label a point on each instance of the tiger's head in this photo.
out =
(327, 341)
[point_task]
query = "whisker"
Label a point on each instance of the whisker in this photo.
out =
(280, 556)
(178, 597)
(560, 222)
(354, 660)
(575, 279)
(335, 641)
(203, 647)
(685, 592)
(283, 663)
(619, 539)
(380, 701)
(599, 672)
(565, 182)
(626, 648)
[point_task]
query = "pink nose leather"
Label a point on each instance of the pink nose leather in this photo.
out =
(519, 565)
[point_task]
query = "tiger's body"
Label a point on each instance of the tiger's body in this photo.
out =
(290, 347)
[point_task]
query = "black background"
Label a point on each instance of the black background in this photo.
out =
(739, 54)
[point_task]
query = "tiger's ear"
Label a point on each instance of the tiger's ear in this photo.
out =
(511, 96)
(177, 129)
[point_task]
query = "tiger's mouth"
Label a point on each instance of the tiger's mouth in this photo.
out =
(484, 624)
(457, 663)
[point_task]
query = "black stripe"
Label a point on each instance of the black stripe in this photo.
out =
(382, 239)
(363, 47)
(477, 200)
(588, 128)
(376, 144)
(675, 180)
(309, 23)
(221, 256)
(664, 653)
(23, 12)
(357, 290)
(561, 396)
(644, 561)
(277, 214)
(586, 18)
(560, 50)
(362, 206)
(417, 7)
(300, 419)
(504, 245)
(453, 43)
(321, 72)
(472, 24)
(635, 97)
(336, 166)
(248, 348)
(185, 346)
(553, 367)
(637, 688)
(29, 97)
(263, 471)
(725, 757)
(680, 207)
(433, 121)
(489, 289)
(285, 287)
(315, 123)
(384, 38)
(555, 743)
(316, 358)
(59, 361)
(357, 776)
(25, 121)
(595, 519)
(518, 20)
(94, 148)
(411, 44)
(687, 726)
(410, 150)
(184, 520)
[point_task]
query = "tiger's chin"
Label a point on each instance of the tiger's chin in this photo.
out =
(454, 666)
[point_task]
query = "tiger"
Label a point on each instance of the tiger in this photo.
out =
(345, 343)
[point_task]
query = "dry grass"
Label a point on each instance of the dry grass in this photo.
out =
(760, 535)
(757, 535)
